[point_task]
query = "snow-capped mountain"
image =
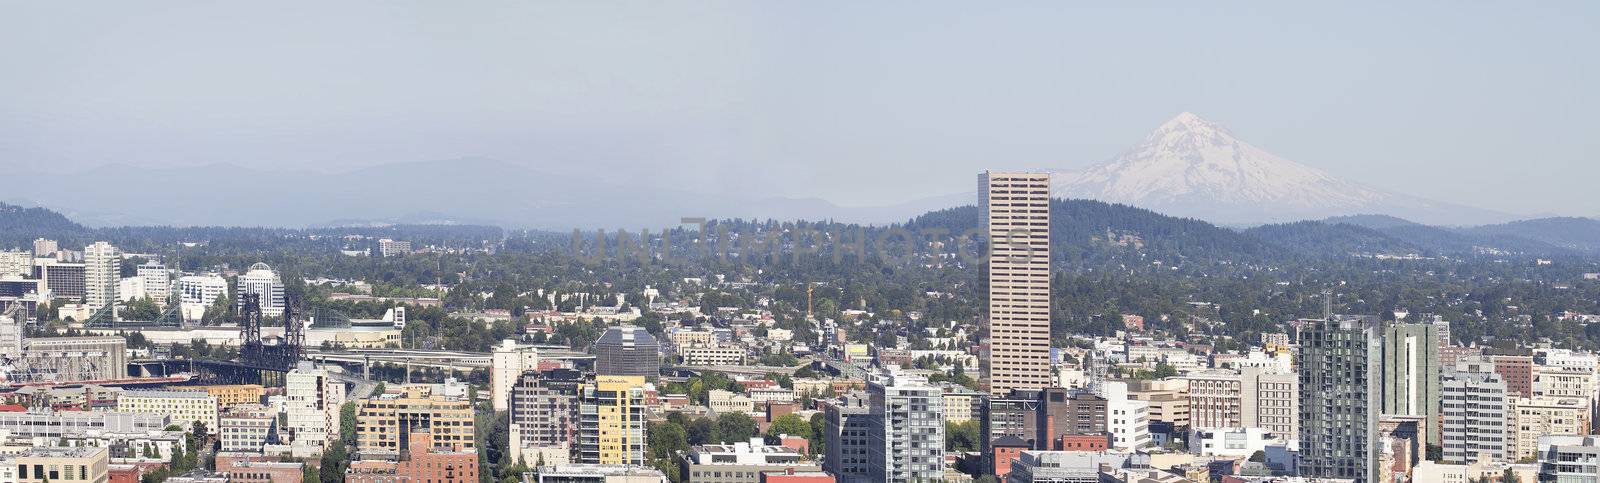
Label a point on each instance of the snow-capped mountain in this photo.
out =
(1195, 168)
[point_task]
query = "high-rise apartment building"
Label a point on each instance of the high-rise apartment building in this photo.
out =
(611, 420)
(1341, 368)
(312, 400)
(847, 423)
(1016, 216)
(100, 274)
(1475, 420)
(44, 247)
(508, 362)
(544, 421)
(157, 282)
(907, 429)
(1411, 373)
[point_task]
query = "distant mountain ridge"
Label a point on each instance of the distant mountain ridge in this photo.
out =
(1084, 228)
(464, 191)
(1192, 167)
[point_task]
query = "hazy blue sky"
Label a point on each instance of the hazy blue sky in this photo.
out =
(1490, 104)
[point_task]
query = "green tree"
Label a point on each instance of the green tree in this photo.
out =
(819, 424)
(142, 308)
(347, 423)
(309, 473)
(736, 427)
(790, 424)
(963, 436)
(1259, 457)
(702, 431)
(666, 439)
(333, 463)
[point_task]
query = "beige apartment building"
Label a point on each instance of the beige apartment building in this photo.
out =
(1168, 399)
(1016, 216)
(184, 407)
(385, 422)
(1544, 416)
(231, 394)
(1246, 398)
(82, 464)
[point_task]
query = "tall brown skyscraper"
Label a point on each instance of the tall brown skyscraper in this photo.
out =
(1016, 213)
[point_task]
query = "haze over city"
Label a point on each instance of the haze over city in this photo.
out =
(703, 241)
(1485, 105)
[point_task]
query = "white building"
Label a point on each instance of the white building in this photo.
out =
(157, 282)
(130, 289)
(1127, 419)
(312, 402)
(198, 292)
(1474, 410)
(264, 282)
(1231, 442)
(509, 361)
(100, 274)
(1062, 466)
(245, 427)
(393, 248)
(712, 356)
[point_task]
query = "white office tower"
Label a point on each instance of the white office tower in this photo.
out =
(100, 274)
(264, 282)
(45, 247)
(157, 282)
(508, 363)
(198, 292)
(312, 399)
(1016, 215)
(906, 430)
(130, 289)
(1127, 419)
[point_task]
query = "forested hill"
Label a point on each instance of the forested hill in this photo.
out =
(1081, 229)
(1085, 233)
(20, 226)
